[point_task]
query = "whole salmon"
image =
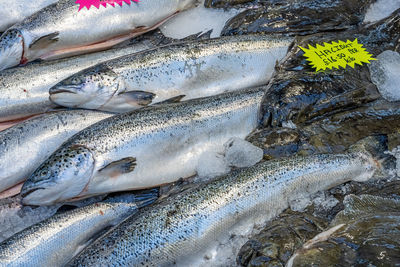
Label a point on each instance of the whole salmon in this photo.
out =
(171, 73)
(141, 149)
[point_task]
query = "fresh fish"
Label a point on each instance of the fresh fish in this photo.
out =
(171, 73)
(299, 94)
(14, 12)
(293, 17)
(141, 149)
(185, 227)
(25, 146)
(25, 91)
(56, 240)
(59, 30)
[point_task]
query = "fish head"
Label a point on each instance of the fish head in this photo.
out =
(369, 166)
(11, 48)
(64, 175)
(91, 88)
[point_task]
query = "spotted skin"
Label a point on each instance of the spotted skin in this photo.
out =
(190, 69)
(183, 226)
(158, 137)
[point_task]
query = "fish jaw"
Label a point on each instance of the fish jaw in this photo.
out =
(70, 96)
(98, 88)
(90, 88)
(11, 49)
(63, 176)
(370, 165)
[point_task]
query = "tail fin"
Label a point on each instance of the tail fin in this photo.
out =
(140, 199)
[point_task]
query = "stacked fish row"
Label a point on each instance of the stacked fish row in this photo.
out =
(174, 102)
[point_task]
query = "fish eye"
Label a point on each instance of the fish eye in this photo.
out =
(44, 174)
(75, 81)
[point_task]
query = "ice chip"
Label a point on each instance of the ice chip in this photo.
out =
(385, 74)
(396, 153)
(240, 153)
(14, 217)
(301, 203)
(211, 164)
(198, 20)
(380, 10)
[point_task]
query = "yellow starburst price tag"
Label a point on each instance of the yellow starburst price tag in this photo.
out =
(337, 54)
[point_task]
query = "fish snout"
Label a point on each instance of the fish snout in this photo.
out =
(70, 89)
(11, 49)
(370, 166)
(68, 95)
(63, 176)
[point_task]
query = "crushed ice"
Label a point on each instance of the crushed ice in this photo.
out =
(385, 74)
(236, 152)
(212, 164)
(396, 153)
(198, 20)
(380, 10)
(15, 217)
(240, 153)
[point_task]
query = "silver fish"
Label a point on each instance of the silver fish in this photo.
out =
(56, 240)
(184, 227)
(17, 11)
(25, 146)
(25, 91)
(60, 30)
(141, 149)
(179, 71)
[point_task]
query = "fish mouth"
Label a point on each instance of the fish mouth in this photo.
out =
(67, 96)
(64, 89)
(27, 192)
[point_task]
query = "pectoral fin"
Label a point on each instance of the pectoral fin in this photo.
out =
(119, 167)
(141, 98)
(44, 41)
(175, 99)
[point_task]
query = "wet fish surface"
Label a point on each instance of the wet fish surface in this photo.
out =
(179, 229)
(298, 93)
(60, 30)
(144, 148)
(17, 11)
(366, 232)
(24, 91)
(172, 73)
(295, 17)
(25, 146)
(53, 242)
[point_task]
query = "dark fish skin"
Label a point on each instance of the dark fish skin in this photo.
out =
(334, 133)
(299, 94)
(296, 17)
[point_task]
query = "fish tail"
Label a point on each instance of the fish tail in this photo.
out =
(146, 198)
